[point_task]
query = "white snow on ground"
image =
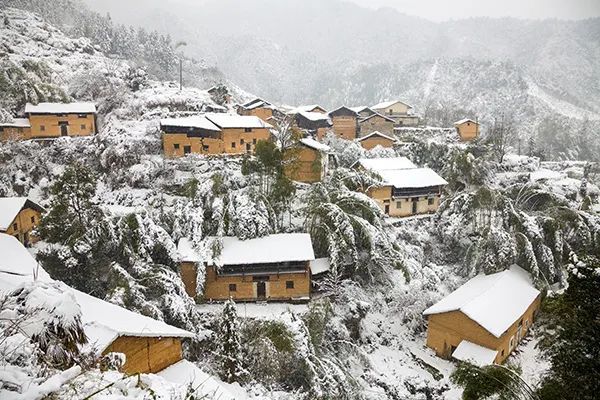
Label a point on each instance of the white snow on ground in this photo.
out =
(559, 106)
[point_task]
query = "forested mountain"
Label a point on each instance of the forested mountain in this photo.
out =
(290, 51)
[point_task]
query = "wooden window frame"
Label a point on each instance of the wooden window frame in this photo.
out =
(289, 284)
(233, 287)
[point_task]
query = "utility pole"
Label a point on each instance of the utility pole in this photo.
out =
(180, 73)
(177, 45)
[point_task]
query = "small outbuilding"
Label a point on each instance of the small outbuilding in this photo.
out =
(484, 320)
(258, 108)
(16, 129)
(375, 139)
(148, 345)
(18, 217)
(307, 161)
(467, 129)
(316, 124)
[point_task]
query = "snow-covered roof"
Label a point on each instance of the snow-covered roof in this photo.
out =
(60, 108)
(16, 259)
(386, 104)
(186, 373)
(360, 109)
(314, 116)
(462, 121)
(412, 178)
(186, 251)
(494, 301)
(306, 108)
(197, 121)
(103, 321)
(474, 353)
(376, 114)
(312, 143)
(10, 207)
(319, 265)
(17, 123)
(275, 248)
(237, 121)
(256, 103)
(375, 133)
(385, 164)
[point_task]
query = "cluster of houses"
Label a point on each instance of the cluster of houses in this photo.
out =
(481, 322)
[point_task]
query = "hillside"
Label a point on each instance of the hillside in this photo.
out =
(295, 60)
(362, 336)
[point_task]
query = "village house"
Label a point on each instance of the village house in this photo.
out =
(307, 161)
(17, 129)
(220, 94)
(149, 345)
(213, 133)
(399, 111)
(52, 120)
(258, 108)
(467, 129)
(405, 189)
(18, 217)
(274, 267)
(376, 122)
(314, 123)
(345, 123)
(375, 139)
(484, 320)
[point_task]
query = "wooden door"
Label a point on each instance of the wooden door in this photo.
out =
(261, 290)
(64, 130)
(414, 206)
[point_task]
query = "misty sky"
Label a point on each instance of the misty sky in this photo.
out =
(441, 10)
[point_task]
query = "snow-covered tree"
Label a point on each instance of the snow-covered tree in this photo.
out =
(230, 348)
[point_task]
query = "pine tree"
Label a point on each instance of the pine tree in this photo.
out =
(571, 339)
(72, 211)
(229, 343)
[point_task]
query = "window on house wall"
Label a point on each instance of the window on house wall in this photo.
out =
(254, 141)
(187, 149)
(233, 145)
(430, 201)
(176, 146)
(81, 116)
(247, 129)
(204, 147)
(398, 204)
(82, 126)
(233, 287)
(42, 128)
(15, 226)
(241, 141)
(33, 220)
(289, 284)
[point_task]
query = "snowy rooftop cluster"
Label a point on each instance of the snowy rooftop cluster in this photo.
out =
(103, 322)
(217, 121)
(256, 103)
(60, 108)
(400, 172)
(494, 301)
